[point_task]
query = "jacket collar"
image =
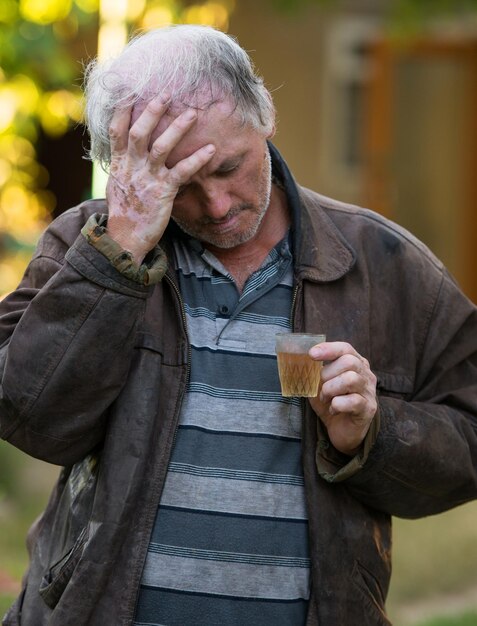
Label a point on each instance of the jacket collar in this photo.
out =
(321, 252)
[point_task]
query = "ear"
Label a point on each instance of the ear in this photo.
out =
(272, 131)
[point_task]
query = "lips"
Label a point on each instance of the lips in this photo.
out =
(227, 224)
(231, 215)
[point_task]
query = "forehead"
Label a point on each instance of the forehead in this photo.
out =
(218, 124)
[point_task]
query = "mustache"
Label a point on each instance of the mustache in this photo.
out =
(245, 206)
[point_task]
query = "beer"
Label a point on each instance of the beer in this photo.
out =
(299, 374)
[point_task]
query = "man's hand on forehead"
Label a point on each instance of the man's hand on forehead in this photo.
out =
(149, 119)
(142, 187)
(167, 111)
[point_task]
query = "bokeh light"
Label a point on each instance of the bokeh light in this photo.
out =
(44, 11)
(209, 13)
(40, 95)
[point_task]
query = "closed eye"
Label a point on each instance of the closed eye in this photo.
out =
(224, 173)
(228, 167)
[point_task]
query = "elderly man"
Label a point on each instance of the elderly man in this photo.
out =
(138, 353)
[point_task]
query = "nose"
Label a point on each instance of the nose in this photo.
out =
(217, 201)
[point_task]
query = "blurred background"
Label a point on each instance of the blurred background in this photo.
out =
(377, 103)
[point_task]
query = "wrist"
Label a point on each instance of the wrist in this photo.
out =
(122, 259)
(123, 235)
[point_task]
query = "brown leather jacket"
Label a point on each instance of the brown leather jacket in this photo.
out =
(94, 370)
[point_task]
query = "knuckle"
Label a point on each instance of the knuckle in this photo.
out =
(157, 152)
(154, 106)
(113, 131)
(349, 361)
(350, 382)
(365, 362)
(135, 134)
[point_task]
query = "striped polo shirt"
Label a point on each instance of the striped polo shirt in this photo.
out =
(229, 545)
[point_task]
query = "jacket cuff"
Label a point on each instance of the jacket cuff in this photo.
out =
(147, 273)
(334, 466)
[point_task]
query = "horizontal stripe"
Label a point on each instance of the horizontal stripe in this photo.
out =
(255, 318)
(235, 370)
(235, 533)
(209, 329)
(247, 416)
(218, 280)
(206, 576)
(260, 279)
(281, 296)
(228, 557)
(199, 311)
(246, 317)
(227, 370)
(263, 458)
(205, 276)
(216, 351)
(234, 394)
(205, 289)
(217, 472)
(247, 497)
(176, 608)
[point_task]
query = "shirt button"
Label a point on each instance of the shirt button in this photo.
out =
(224, 309)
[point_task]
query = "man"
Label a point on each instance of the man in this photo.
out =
(138, 353)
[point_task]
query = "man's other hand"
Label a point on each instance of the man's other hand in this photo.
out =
(346, 401)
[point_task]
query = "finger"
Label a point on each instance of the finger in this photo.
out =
(347, 363)
(352, 404)
(347, 383)
(118, 131)
(142, 129)
(189, 166)
(331, 350)
(172, 135)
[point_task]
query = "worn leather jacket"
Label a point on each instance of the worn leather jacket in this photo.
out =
(95, 365)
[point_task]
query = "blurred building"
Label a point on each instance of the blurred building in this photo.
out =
(377, 115)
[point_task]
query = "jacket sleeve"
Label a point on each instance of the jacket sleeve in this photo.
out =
(420, 456)
(66, 340)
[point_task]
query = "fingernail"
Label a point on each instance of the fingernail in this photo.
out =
(315, 353)
(190, 115)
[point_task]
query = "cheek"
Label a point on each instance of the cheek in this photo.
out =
(184, 209)
(249, 183)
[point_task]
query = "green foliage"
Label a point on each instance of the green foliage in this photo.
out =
(41, 50)
(295, 5)
(402, 12)
(40, 77)
(6, 600)
(408, 16)
(464, 619)
(8, 478)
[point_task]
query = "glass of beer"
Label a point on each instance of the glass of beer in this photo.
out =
(299, 373)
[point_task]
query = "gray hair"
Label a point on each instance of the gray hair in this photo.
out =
(194, 65)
